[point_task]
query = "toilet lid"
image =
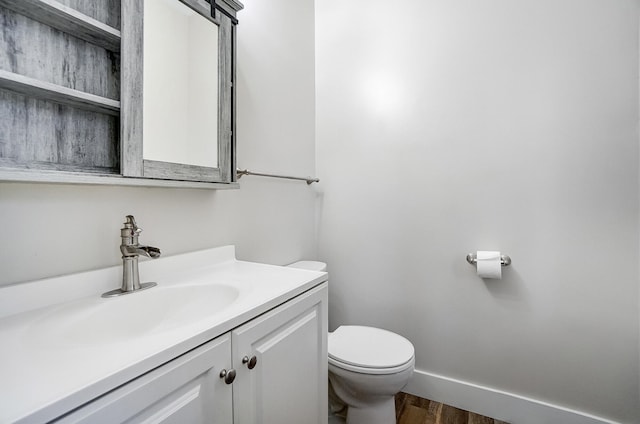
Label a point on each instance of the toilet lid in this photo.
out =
(368, 347)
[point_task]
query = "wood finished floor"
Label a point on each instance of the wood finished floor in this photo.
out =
(415, 410)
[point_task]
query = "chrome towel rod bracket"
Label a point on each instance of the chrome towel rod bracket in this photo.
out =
(309, 180)
(504, 259)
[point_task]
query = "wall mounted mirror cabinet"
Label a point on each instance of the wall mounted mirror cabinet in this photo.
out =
(119, 92)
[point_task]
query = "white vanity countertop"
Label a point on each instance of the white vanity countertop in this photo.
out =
(50, 364)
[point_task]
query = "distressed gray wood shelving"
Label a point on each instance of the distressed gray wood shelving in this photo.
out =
(68, 20)
(69, 81)
(58, 94)
(59, 88)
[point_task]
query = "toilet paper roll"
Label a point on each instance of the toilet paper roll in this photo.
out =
(488, 264)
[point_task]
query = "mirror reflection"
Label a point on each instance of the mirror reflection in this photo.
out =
(180, 118)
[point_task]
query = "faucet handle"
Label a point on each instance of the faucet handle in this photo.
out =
(131, 224)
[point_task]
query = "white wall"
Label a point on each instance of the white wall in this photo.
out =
(449, 126)
(56, 229)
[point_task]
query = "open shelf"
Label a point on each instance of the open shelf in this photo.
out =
(57, 93)
(68, 20)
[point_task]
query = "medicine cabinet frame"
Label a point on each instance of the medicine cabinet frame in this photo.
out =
(106, 138)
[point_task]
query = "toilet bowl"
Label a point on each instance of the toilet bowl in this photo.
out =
(367, 367)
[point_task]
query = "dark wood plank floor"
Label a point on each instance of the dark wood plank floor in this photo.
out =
(415, 410)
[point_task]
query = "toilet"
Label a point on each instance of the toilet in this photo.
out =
(368, 366)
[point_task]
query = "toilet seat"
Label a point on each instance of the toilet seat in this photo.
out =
(369, 350)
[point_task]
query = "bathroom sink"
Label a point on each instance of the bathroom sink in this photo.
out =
(97, 321)
(63, 345)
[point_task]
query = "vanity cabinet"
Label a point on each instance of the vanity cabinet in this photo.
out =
(280, 361)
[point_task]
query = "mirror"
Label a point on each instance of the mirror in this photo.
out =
(177, 90)
(180, 85)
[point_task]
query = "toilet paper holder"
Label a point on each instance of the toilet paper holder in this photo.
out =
(504, 259)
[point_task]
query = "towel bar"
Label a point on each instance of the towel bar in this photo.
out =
(309, 180)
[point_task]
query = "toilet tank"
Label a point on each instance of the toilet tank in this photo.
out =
(310, 265)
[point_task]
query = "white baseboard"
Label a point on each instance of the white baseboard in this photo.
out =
(493, 403)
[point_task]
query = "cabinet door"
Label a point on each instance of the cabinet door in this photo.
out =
(177, 118)
(288, 383)
(186, 390)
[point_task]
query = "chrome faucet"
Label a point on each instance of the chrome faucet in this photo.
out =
(130, 251)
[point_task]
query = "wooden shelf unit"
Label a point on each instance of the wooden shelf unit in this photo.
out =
(60, 84)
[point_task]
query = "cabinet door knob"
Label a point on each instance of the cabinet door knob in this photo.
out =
(228, 376)
(250, 362)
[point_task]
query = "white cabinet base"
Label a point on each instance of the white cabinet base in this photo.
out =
(288, 383)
